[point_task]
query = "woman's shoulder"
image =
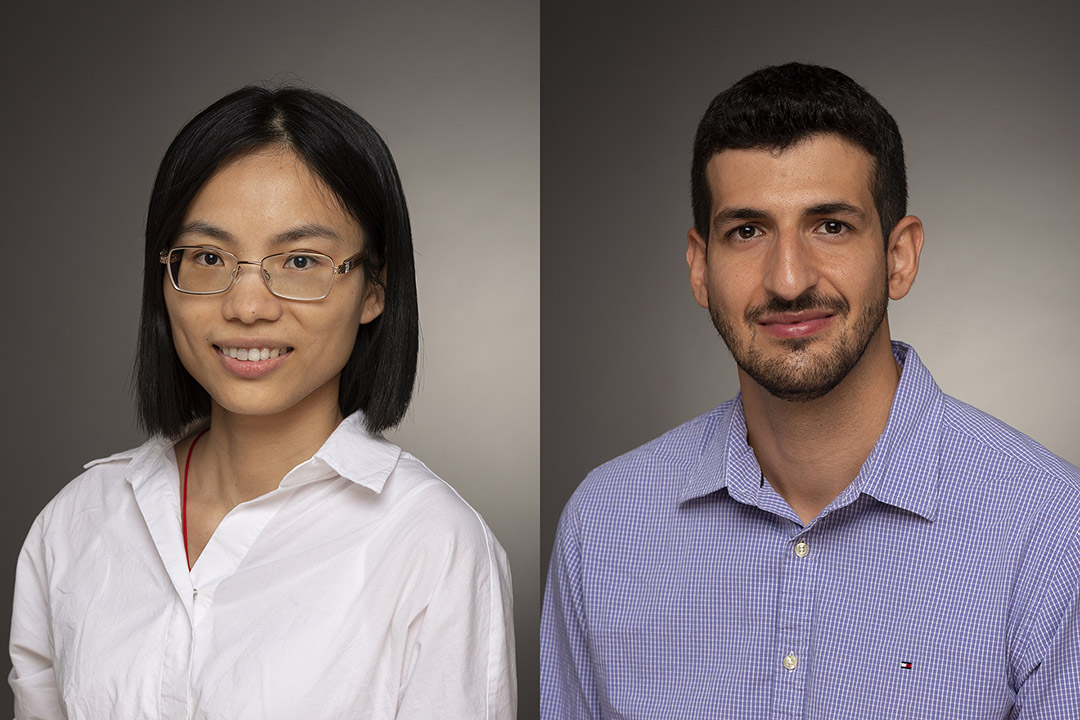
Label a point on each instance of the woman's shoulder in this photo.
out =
(411, 498)
(434, 513)
(105, 481)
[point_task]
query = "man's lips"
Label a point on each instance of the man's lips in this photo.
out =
(796, 325)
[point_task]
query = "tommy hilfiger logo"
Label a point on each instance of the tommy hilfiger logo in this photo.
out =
(905, 665)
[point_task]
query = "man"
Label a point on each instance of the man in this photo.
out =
(841, 540)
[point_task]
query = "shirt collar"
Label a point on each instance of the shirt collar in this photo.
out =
(901, 469)
(725, 460)
(350, 452)
(354, 454)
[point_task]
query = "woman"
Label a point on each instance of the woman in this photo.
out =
(267, 554)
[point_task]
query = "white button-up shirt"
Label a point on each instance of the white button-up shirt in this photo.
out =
(362, 587)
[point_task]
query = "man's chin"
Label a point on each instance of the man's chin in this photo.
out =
(801, 395)
(796, 374)
(796, 390)
(796, 345)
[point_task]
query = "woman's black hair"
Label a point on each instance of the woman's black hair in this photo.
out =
(350, 157)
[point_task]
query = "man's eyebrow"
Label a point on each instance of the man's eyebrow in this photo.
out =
(291, 235)
(744, 213)
(835, 208)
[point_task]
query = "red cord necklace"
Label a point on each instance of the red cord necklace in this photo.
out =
(183, 501)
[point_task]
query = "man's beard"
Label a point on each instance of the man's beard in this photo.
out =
(800, 375)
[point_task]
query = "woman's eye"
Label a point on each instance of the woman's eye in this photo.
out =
(302, 262)
(207, 258)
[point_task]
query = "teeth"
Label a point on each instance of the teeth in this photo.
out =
(252, 354)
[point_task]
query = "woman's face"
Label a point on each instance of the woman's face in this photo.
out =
(260, 204)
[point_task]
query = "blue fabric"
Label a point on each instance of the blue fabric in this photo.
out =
(942, 583)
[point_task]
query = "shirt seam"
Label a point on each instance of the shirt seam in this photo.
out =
(576, 531)
(492, 586)
(1026, 630)
(1026, 459)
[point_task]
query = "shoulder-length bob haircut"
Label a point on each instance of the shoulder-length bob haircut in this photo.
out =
(342, 149)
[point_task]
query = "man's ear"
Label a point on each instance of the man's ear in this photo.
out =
(902, 255)
(697, 252)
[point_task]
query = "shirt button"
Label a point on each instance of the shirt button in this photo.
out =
(790, 662)
(802, 549)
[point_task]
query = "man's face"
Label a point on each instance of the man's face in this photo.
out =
(794, 273)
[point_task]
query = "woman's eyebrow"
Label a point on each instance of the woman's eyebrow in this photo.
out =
(305, 231)
(202, 227)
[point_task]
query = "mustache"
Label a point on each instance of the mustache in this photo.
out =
(810, 300)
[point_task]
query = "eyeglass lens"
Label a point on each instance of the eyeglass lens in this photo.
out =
(294, 275)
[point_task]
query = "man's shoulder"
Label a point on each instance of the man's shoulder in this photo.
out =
(975, 443)
(971, 427)
(656, 470)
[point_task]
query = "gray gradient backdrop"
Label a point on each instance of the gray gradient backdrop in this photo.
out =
(93, 95)
(987, 100)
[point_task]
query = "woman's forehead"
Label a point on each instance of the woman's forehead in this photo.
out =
(270, 197)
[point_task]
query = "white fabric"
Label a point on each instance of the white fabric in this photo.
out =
(363, 587)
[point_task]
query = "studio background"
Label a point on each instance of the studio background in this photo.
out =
(93, 95)
(986, 98)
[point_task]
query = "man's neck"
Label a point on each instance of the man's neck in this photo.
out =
(810, 451)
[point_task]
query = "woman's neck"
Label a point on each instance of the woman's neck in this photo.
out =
(242, 456)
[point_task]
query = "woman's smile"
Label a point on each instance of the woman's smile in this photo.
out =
(253, 362)
(252, 354)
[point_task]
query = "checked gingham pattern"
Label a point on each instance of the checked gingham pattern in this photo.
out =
(941, 584)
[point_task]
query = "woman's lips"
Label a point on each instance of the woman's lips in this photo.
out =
(797, 325)
(269, 359)
(253, 353)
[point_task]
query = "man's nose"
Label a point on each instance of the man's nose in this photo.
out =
(791, 267)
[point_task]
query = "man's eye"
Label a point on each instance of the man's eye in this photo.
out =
(833, 227)
(745, 232)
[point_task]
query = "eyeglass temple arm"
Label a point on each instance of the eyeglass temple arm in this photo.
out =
(350, 263)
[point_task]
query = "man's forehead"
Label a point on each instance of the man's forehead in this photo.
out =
(819, 168)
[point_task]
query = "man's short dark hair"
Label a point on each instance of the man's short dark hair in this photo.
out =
(348, 155)
(776, 107)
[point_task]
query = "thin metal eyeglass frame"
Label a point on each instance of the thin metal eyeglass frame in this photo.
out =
(348, 264)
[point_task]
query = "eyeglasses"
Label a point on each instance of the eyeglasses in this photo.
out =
(301, 275)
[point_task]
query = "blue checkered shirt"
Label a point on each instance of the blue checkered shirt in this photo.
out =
(942, 583)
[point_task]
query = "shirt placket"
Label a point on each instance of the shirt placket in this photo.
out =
(195, 588)
(227, 548)
(176, 664)
(792, 652)
(158, 501)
